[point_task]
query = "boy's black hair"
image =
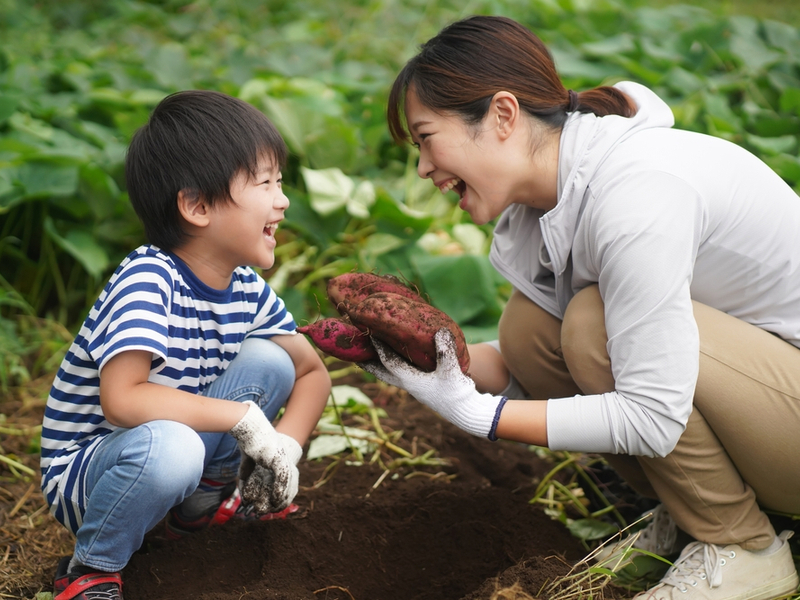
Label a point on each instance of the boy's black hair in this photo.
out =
(196, 141)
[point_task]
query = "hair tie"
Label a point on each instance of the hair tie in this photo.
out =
(573, 101)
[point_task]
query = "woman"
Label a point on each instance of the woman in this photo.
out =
(656, 311)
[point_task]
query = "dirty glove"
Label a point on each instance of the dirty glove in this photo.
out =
(255, 481)
(447, 390)
(261, 446)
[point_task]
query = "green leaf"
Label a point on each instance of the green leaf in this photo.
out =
(747, 45)
(772, 145)
(461, 286)
(591, 529)
(171, 67)
(41, 180)
(790, 100)
(328, 189)
(8, 105)
(785, 165)
(82, 246)
(342, 394)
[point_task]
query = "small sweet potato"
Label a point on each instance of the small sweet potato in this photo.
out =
(341, 340)
(349, 289)
(408, 327)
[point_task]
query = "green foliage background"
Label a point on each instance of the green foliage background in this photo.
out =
(78, 78)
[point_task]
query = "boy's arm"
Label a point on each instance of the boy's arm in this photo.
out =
(128, 399)
(311, 389)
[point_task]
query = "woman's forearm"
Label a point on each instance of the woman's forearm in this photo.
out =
(524, 421)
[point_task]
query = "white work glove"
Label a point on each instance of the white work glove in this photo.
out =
(255, 480)
(447, 390)
(261, 446)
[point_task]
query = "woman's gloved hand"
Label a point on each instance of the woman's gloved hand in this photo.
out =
(261, 446)
(446, 390)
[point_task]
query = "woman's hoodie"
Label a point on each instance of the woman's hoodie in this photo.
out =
(657, 217)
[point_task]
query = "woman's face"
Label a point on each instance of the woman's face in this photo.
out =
(455, 156)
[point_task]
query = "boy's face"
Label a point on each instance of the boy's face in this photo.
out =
(245, 228)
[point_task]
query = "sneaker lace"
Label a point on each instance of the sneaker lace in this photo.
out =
(661, 533)
(697, 562)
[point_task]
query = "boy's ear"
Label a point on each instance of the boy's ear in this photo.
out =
(193, 208)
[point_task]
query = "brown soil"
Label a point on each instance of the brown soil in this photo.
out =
(460, 531)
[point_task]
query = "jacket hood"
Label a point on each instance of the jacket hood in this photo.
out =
(523, 233)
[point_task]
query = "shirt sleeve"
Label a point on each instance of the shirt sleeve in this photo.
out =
(134, 313)
(642, 241)
(271, 318)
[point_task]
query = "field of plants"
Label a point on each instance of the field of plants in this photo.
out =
(77, 78)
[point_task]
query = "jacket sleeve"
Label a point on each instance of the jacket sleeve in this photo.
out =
(642, 235)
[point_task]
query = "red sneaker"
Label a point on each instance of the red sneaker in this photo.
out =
(85, 584)
(231, 508)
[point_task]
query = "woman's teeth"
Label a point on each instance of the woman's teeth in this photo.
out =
(446, 187)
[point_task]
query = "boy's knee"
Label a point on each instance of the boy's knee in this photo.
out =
(271, 362)
(176, 455)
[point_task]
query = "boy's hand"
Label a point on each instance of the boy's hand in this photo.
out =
(261, 446)
(255, 481)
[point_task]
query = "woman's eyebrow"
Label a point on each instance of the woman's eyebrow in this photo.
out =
(418, 124)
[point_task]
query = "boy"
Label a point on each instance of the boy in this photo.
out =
(172, 382)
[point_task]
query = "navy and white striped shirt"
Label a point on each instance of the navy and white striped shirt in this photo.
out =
(153, 302)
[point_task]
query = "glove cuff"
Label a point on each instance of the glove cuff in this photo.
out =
(480, 419)
(493, 430)
(248, 420)
(293, 449)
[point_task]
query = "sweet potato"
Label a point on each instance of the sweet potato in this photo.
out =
(408, 327)
(341, 340)
(351, 288)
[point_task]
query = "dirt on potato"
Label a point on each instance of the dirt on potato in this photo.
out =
(453, 532)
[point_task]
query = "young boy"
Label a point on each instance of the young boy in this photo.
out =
(170, 387)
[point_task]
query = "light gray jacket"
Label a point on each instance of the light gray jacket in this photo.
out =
(657, 217)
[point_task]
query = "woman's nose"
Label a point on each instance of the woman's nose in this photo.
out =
(424, 167)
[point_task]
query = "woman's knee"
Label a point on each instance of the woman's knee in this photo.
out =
(584, 340)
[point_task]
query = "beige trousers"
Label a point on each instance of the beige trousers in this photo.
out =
(741, 447)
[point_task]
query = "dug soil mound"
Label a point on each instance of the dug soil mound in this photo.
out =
(452, 522)
(423, 534)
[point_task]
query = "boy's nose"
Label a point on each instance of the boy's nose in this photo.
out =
(282, 202)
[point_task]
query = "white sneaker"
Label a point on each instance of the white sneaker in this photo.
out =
(659, 537)
(711, 572)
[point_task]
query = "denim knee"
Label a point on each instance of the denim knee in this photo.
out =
(170, 457)
(262, 372)
(176, 458)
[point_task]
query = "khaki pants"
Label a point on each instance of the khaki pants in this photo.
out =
(741, 447)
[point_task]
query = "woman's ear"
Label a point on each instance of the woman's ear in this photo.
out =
(505, 111)
(193, 208)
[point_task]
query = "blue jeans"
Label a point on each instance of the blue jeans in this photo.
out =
(136, 475)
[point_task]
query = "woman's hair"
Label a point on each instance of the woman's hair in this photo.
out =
(196, 141)
(468, 62)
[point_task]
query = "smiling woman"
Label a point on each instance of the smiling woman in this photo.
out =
(654, 317)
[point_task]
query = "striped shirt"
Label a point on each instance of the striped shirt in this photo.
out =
(153, 302)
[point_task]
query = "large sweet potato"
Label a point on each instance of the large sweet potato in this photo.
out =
(349, 289)
(341, 340)
(408, 327)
